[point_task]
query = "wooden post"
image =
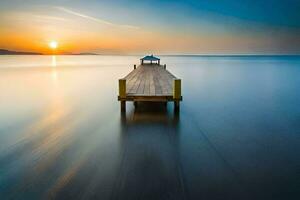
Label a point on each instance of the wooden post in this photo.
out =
(176, 106)
(177, 89)
(123, 106)
(134, 66)
(122, 93)
(122, 88)
(176, 93)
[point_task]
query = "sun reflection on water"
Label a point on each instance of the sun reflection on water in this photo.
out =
(54, 65)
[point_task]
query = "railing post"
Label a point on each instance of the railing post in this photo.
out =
(122, 93)
(176, 93)
(134, 66)
(165, 66)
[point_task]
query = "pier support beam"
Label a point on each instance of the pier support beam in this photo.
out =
(123, 106)
(122, 93)
(176, 106)
(176, 93)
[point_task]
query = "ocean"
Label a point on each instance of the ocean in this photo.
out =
(62, 135)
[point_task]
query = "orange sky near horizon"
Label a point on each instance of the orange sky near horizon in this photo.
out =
(75, 32)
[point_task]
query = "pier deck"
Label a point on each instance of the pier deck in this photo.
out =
(150, 82)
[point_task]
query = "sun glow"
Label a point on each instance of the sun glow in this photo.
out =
(53, 44)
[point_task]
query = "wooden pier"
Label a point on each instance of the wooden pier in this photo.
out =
(150, 82)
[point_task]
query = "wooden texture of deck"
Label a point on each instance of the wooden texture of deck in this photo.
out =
(149, 83)
(149, 80)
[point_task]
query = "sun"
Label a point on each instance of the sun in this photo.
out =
(53, 44)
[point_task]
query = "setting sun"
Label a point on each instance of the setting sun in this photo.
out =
(53, 44)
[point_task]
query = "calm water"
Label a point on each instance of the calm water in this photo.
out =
(62, 135)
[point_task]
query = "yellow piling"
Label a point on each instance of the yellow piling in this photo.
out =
(122, 88)
(176, 93)
(122, 93)
(177, 89)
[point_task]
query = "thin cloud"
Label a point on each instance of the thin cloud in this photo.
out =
(95, 19)
(47, 17)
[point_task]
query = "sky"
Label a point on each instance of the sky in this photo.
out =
(157, 26)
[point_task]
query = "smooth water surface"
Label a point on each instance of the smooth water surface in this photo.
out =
(62, 135)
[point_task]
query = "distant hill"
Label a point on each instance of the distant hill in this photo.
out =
(78, 54)
(87, 53)
(8, 52)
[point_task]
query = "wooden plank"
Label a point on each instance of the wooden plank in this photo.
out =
(141, 87)
(152, 85)
(168, 84)
(157, 86)
(147, 82)
(132, 79)
(136, 81)
(162, 81)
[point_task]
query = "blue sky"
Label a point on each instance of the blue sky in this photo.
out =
(207, 26)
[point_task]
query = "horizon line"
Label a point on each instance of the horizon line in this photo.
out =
(142, 54)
